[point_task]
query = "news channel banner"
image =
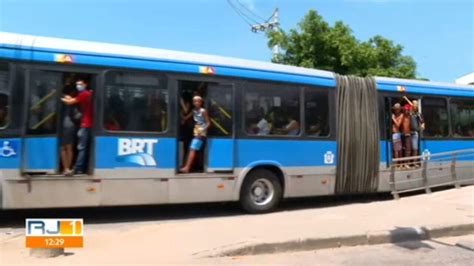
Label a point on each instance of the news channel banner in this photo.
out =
(54, 233)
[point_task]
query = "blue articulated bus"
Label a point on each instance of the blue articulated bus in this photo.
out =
(139, 137)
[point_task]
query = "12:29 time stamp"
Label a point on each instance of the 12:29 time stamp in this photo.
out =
(54, 242)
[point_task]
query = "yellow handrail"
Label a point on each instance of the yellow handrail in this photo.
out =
(51, 115)
(219, 126)
(44, 99)
(222, 109)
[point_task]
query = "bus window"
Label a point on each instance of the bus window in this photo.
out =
(135, 102)
(4, 95)
(43, 91)
(462, 117)
(272, 111)
(316, 113)
(435, 112)
(219, 100)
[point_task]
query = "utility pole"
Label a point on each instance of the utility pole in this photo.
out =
(276, 22)
(273, 23)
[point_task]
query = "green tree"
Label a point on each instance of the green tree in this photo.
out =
(316, 44)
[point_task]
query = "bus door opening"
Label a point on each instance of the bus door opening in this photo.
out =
(217, 153)
(403, 136)
(50, 141)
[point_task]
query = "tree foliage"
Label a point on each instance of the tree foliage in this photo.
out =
(316, 44)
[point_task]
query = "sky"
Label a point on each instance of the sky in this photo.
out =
(438, 34)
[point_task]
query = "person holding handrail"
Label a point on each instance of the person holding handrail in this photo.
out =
(201, 124)
(397, 117)
(69, 122)
(417, 125)
(84, 100)
(406, 134)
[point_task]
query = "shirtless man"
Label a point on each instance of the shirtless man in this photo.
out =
(397, 118)
(406, 131)
(417, 125)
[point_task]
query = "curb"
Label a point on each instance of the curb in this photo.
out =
(399, 234)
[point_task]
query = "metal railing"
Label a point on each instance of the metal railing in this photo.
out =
(426, 162)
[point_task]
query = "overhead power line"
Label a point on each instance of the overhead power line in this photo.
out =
(241, 14)
(257, 23)
(252, 12)
(271, 23)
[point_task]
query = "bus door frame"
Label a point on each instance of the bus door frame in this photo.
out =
(95, 83)
(385, 124)
(388, 97)
(215, 146)
(12, 132)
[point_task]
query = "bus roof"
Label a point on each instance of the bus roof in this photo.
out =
(36, 43)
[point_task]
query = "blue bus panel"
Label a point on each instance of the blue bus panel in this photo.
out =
(41, 153)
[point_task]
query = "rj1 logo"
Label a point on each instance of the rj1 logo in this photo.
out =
(54, 233)
(137, 151)
(54, 227)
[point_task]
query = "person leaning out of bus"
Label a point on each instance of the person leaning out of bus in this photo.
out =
(397, 117)
(417, 125)
(84, 100)
(70, 122)
(406, 133)
(201, 124)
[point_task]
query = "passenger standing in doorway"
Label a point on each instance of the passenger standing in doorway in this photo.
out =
(417, 125)
(70, 117)
(406, 131)
(84, 100)
(201, 124)
(397, 118)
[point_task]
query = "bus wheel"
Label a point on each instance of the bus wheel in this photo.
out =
(261, 191)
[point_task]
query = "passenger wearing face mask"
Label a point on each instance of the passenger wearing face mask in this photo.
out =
(84, 100)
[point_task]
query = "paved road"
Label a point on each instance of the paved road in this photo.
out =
(185, 234)
(444, 251)
(15, 219)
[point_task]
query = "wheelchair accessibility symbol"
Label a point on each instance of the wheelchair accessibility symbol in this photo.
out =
(7, 149)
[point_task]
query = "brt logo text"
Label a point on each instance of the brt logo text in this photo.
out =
(137, 151)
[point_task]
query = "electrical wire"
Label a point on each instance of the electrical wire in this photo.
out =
(250, 11)
(270, 18)
(241, 14)
(247, 16)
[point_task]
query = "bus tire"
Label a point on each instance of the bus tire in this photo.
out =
(261, 191)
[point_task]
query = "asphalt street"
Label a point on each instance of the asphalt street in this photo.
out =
(15, 219)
